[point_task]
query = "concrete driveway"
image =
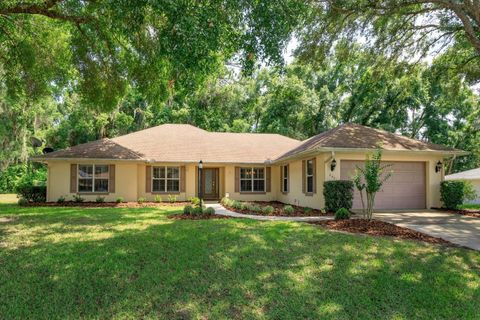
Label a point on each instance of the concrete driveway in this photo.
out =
(458, 229)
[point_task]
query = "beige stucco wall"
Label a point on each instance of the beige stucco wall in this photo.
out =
(182, 196)
(130, 180)
(58, 183)
(229, 181)
(295, 195)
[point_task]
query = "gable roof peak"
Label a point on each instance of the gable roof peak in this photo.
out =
(353, 136)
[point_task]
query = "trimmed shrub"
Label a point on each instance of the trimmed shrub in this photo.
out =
(61, 199)
(209, 211)
(454, 193)
(22, 202)
(342, 213)
(267, 210)
(227, 202)
(195, 201)
(100, 199)
(338, 194)
(141, 200)
(244, 206)
(307, 210)
(119, 200)
(157, 198)
(32, 193)
(187, 209)
(288, 209)
(78, 198)
(197, 211)
(255, 208)
(237, 205)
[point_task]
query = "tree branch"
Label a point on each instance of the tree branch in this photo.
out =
(46, 9)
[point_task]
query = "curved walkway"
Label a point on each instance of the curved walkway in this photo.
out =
(220, 210)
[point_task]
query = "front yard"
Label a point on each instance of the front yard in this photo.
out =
(137, 263)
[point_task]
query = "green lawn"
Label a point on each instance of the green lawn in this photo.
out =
(470, 206)
(135, 263)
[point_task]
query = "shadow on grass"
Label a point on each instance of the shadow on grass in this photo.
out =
(134, 263)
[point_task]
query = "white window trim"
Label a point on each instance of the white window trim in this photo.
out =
(93, 177)
(166, 179)
(285, 178)
(309, 175)
(253, 179)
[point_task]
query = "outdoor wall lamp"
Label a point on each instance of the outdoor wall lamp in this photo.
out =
(438, 167)
(333, 164)
(200, 168)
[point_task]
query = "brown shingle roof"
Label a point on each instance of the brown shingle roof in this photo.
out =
(99, 149)
(184, 143)
(355, 136)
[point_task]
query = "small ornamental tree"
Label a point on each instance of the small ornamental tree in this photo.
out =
(370, 180)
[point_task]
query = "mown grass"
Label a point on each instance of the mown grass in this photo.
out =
(472, 206)
(64, 263)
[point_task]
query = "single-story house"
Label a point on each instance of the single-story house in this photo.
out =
(470, 175)
(164, 160)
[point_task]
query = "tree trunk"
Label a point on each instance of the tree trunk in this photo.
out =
(364, 211)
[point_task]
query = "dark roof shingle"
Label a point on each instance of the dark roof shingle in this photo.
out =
(355, 136)
(99, 149)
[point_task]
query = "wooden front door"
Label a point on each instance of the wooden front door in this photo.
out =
(210, 184)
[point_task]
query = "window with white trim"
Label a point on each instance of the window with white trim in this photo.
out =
(309, 175)
(252, 179)
(93, 178)
(285, 179)
(166, 179)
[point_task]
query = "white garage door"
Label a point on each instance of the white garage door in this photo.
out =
(404, 190)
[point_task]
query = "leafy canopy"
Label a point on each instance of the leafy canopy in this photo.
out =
(408, 30)
(102, 47)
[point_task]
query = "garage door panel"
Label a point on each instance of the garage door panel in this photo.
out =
(405, 189)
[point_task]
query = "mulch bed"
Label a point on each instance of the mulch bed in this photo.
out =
(277, 210)
(107, 204)
(195, 217)
(464, 212)
(378, 228)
